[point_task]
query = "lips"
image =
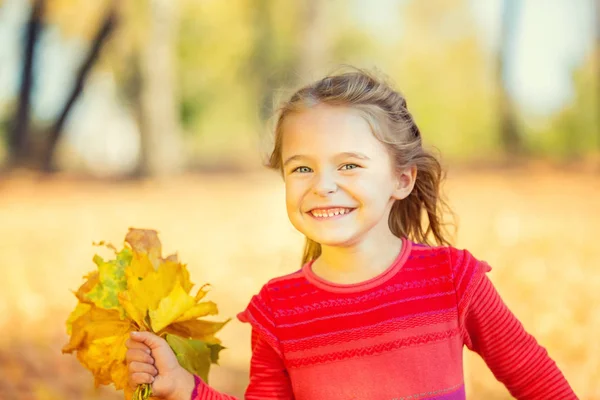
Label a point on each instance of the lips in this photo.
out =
(330, 212)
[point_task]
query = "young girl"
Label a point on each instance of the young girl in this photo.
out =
(375, 313)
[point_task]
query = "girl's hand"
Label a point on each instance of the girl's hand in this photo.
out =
(151, 360)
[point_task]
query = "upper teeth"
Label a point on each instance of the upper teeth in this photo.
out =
(330, 212)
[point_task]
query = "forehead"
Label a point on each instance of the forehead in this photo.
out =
(328, 129)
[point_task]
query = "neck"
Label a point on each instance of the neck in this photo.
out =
(358, 262)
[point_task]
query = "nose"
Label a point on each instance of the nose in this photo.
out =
(324, 185)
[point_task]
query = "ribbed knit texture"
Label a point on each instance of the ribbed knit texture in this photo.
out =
(397, 336)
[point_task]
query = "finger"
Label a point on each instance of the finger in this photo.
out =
(138, 367)
(132, 344)
(138, 378)
(138, 355)
(149, 339)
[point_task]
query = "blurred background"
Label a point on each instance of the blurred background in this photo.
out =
(156, 114)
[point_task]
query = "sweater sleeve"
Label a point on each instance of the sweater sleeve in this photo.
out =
(492, 330)
(269, 379)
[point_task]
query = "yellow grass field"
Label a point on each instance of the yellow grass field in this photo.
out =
(540, 231)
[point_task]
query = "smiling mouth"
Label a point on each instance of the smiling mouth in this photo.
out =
(323, 213)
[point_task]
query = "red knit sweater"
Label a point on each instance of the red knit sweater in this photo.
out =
(397, 336)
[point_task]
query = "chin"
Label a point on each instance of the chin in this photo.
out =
(333, 240)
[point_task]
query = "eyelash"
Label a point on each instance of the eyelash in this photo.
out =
(354, 166)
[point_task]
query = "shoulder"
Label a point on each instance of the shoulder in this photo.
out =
(464, 269)
(467, 272)
(463, 262)
(460, 264)
(457, 259)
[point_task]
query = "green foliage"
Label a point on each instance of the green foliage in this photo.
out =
(111, 281)
(194, 355)
(575, 130)
(446, 79)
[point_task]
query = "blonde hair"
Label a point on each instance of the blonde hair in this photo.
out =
(386, 112)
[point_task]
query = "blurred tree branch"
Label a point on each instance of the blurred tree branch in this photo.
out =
(19, 141)
(149, 39)
(107, 27)
(37, 151)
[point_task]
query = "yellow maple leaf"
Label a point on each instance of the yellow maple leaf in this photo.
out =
(179, 306)
(99, 337)
(80, 310)
(170, 307)
(89, 284)
(197, 329)
(145, 241)
(148, 286)
(198, 310)
(140, 290)
(136, 313)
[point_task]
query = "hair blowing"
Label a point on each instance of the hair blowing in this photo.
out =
(420, 216)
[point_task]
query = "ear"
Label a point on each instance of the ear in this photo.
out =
(405, 182)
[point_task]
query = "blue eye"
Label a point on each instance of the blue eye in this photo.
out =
(302, 170)
(349, 166)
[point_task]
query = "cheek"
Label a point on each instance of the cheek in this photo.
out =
(373, 191)
(293, 201)
(293, 195)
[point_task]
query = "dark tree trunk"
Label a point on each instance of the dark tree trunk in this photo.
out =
(57, 129)
(509, 132)
(19, 141)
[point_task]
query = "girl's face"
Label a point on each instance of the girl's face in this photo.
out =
(339, 179)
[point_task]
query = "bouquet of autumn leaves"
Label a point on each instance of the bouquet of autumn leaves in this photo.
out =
(140, 291)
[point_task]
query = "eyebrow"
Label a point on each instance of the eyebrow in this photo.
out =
(350, 154)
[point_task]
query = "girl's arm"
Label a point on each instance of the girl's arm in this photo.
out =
(490, 329)
(268, 377)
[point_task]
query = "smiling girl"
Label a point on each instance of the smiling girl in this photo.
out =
(377, 311)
